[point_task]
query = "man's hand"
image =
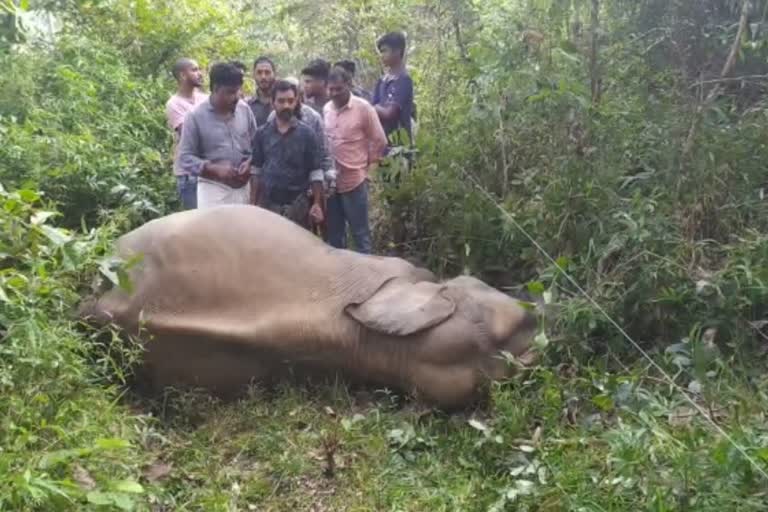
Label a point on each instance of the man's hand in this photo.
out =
(241, 176)
(245, 167)
(316, 214)
(239, 180)
(219, 171)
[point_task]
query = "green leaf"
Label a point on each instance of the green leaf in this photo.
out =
(721, 452)
(128, 486)
(55, 235)
(99, 498)
(124, 280)
(114, 443)
(28, 196)
(121, 501)
(536, 287)
(59, 456)
(4, 296)
(603, 402)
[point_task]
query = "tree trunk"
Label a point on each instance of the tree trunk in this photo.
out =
(730, 63)
(594, 65)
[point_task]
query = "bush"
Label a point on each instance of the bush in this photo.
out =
(92, 137)
(66, 442)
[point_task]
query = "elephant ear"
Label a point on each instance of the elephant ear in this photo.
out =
(401, 308)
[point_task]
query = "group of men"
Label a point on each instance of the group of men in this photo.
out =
(303, 150)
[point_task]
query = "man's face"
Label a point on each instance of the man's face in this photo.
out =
(193, 75)
(313, 86)
(226, 97)
(338, 90)
(389, 56)
(264, 76)
(285, 104)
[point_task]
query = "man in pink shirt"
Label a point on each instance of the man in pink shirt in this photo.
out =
(189, 79)
(356, 142)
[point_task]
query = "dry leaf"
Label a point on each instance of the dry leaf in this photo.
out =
(681, 416)
(536, 438)
(83, 478)
(157, 471)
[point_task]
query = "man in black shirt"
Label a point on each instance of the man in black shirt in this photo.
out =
(287, 161)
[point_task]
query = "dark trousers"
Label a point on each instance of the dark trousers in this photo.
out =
(296, 210)
(350, 208)
(186, 186)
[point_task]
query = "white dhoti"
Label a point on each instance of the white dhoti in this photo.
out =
(211, 193)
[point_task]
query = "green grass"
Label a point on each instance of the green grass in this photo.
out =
(548, 441)
(562, 436)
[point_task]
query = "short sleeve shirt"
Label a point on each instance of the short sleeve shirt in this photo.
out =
(396, 89)
(176, 109)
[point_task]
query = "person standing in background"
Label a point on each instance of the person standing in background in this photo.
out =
(393, 95)
(189, 80)
(315, 84)
(216, 141)
(350, 67)
(264, 75)
(393, 101)
(357, 142)
(287, 162)
(239, 65)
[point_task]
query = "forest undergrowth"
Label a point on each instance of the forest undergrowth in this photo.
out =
(628, 140)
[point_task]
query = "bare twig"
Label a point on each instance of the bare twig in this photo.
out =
(730, 63)
(460, 39)
(593, 55)
(728, 79)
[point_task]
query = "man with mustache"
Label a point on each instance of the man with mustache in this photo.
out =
(264, 76)
(311, 118)
(356, 140)
(350, 67)
(189, 81)
(216, 141)
(287, 161)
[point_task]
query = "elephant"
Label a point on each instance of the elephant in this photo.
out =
(236, 294)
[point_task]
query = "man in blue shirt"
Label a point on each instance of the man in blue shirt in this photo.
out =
(393, 101)
(393, 95)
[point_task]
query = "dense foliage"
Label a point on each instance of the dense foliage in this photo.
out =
(625, 137)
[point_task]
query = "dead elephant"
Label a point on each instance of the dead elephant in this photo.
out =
(235, 294)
